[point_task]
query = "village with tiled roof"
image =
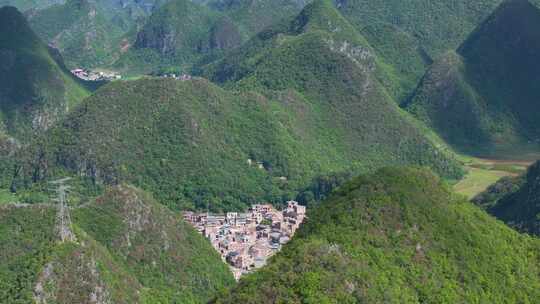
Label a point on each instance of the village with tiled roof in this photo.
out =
(246, 240)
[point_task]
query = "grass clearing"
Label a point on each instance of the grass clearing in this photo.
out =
(483, 172)
(477, 180)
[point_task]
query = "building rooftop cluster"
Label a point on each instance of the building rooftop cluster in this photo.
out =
(246, 240)
(182, 77)
(95, 76)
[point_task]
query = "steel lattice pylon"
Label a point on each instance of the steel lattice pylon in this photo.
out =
(63, 218)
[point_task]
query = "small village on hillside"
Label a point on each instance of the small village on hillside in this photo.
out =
(89, 75)
(246, 240)
(182, 77)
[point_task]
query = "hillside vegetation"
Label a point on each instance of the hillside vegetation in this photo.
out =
(196, 145)
(437, 25)
(354, 108)
(35, 88)
(184, 33)
(91, 33)
(397, 236)
(408, 35)
(319, 55)
(515, 200)
(81, 30)
(485, 95)
(129, 249)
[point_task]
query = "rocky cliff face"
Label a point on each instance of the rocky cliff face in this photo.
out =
(224, 35)
(184, 29)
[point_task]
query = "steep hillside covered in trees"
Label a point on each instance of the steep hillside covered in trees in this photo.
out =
(83, 31)
(128, 249)
(196, 145)
(184, 33)
(36, 90)
(486, 95)
(516, 201)
(397, 236)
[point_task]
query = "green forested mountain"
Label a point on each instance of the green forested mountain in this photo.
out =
(81, 30)
(176, 34)
(409, 34)
(289, 99)
(486, 95)
(516, 201)
(437, 26)
(125, 12)
(195, 145)
(128, 249)
(91, 33)
(182, 33)
(35, 87)
(397, 236)
(253, 16)
(322, 57)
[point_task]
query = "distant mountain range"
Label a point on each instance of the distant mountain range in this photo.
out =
(304, 101)
(110, 28)
(30, 4)
(365, 111)
(81, 30)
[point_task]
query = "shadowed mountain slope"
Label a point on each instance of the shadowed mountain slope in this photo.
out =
(409, 34)
(35, 88)
(486, 95)
(516, 201)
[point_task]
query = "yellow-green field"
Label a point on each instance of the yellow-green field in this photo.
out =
(484, 172)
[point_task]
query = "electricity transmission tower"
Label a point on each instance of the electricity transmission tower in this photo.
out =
(63, 219)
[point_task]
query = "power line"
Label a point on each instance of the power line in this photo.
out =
(63, 218)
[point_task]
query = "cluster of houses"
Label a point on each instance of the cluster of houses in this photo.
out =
(246, 240)
(89, 75)
(183, 77)
(95, 76)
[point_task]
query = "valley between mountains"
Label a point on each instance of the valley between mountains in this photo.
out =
(283, 151)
